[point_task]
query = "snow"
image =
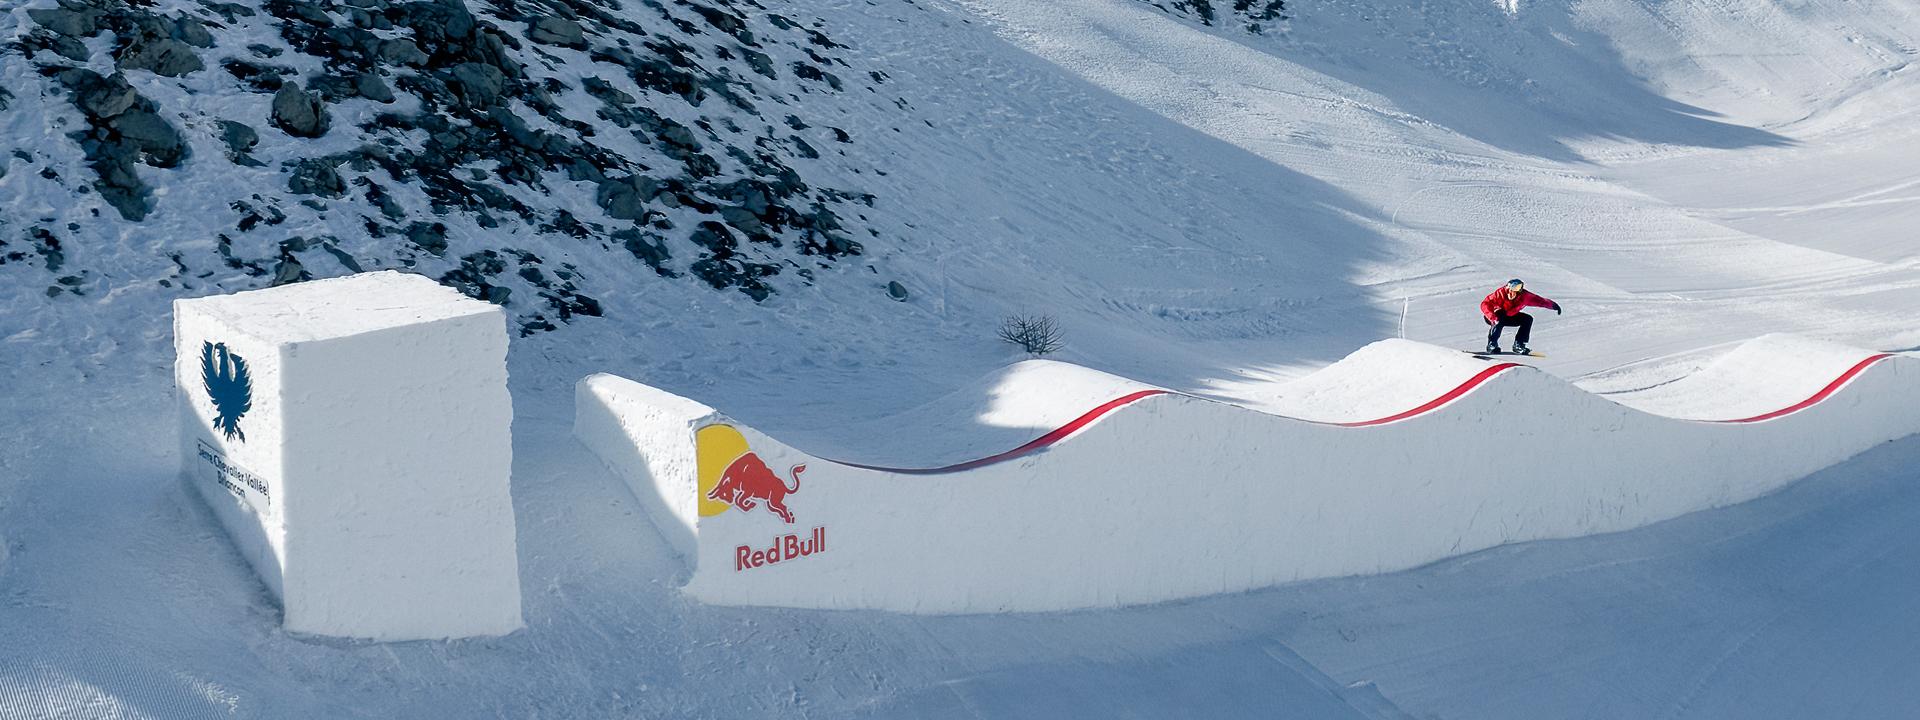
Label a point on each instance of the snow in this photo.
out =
(1169, 497)
(365, 476)
(1203, 211)
(335, 308)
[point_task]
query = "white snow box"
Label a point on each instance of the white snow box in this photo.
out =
(354, 437)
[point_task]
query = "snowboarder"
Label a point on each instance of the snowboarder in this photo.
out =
(1502, 308)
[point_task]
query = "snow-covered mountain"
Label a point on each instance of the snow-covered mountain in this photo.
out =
(815, 213)
(530, 154)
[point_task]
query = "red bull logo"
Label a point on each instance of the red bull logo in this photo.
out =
(747, 480)
(732, 476)
(784, 548)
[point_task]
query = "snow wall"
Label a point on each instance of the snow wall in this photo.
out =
(354, 437)
(1151, 495)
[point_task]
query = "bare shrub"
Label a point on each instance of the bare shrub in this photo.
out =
(1036, 334)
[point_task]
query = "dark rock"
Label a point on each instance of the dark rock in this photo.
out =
(192, 32)
(63, 45)
(606, 93)
(77, 23)
(290, 271)
(121, 188)
(479, 85)
(439, 24)
(681, 137)
(316, 176)
(714, 236)
(626, 198)
(345, 260)
(239, 137)
(332, 88)
(300, 114)
(400, 51)
(431, 237)
(648, 247)
(741, 218)
(162, 55)
(309, 12)
(153, 135)
(554, 30)
(231, 12)
(488, 49)
(99, 97)
(896, 291)
(371, 87)
(760, 63)
(260, 78)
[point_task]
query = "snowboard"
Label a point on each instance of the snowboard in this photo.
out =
(1484, 355)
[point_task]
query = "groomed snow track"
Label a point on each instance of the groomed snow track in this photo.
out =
(1396, 456)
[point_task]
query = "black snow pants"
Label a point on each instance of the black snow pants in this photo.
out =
(1519, 320)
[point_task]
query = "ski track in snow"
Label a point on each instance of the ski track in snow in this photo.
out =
(1203, 210)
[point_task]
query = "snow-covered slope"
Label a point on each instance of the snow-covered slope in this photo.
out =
(1203, 208)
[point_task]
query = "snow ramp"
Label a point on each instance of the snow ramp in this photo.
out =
(1098, 492)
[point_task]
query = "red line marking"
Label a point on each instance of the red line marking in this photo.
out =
(1435, 403)
(1824, 393)
(1054, 436)
(1060, 433)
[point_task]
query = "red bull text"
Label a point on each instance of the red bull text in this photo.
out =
(784, 548)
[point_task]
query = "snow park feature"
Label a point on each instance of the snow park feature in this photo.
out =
(354, 437)
(1402, 454)
(1204, 210)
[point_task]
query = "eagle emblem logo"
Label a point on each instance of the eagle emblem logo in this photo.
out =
(230, 385)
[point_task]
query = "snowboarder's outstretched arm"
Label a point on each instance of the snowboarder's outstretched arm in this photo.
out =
(1529, 299)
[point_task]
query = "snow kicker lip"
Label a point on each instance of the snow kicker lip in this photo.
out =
(1032, 446)
(1818, 397)
(1184, 497)
(1058, 434)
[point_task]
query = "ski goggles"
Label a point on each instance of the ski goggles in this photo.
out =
(1516, 285)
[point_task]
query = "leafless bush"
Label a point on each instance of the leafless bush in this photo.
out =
(1036, 334)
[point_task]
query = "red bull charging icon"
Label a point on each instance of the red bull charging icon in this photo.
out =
(747, 481)
(733, 477)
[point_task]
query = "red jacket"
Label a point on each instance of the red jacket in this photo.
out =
(1498, 301)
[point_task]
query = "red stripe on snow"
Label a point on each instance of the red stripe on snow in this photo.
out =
(1435, 403)
(1060, 433)
(1824, 393)
(1054, 436)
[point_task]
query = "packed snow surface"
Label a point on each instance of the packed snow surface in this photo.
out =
(354, 436)
(1161, 496)
(1203, 210)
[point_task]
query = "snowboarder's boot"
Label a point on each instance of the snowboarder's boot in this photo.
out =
(1521, 349)
(1493, 347)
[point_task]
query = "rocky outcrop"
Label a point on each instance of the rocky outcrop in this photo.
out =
(465, 119)
(1256, 16)
(300, 113)
(124, 128)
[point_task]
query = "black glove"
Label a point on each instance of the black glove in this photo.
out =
(1556, 308)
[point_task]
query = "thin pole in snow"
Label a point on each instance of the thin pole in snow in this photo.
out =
(1404, 304)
